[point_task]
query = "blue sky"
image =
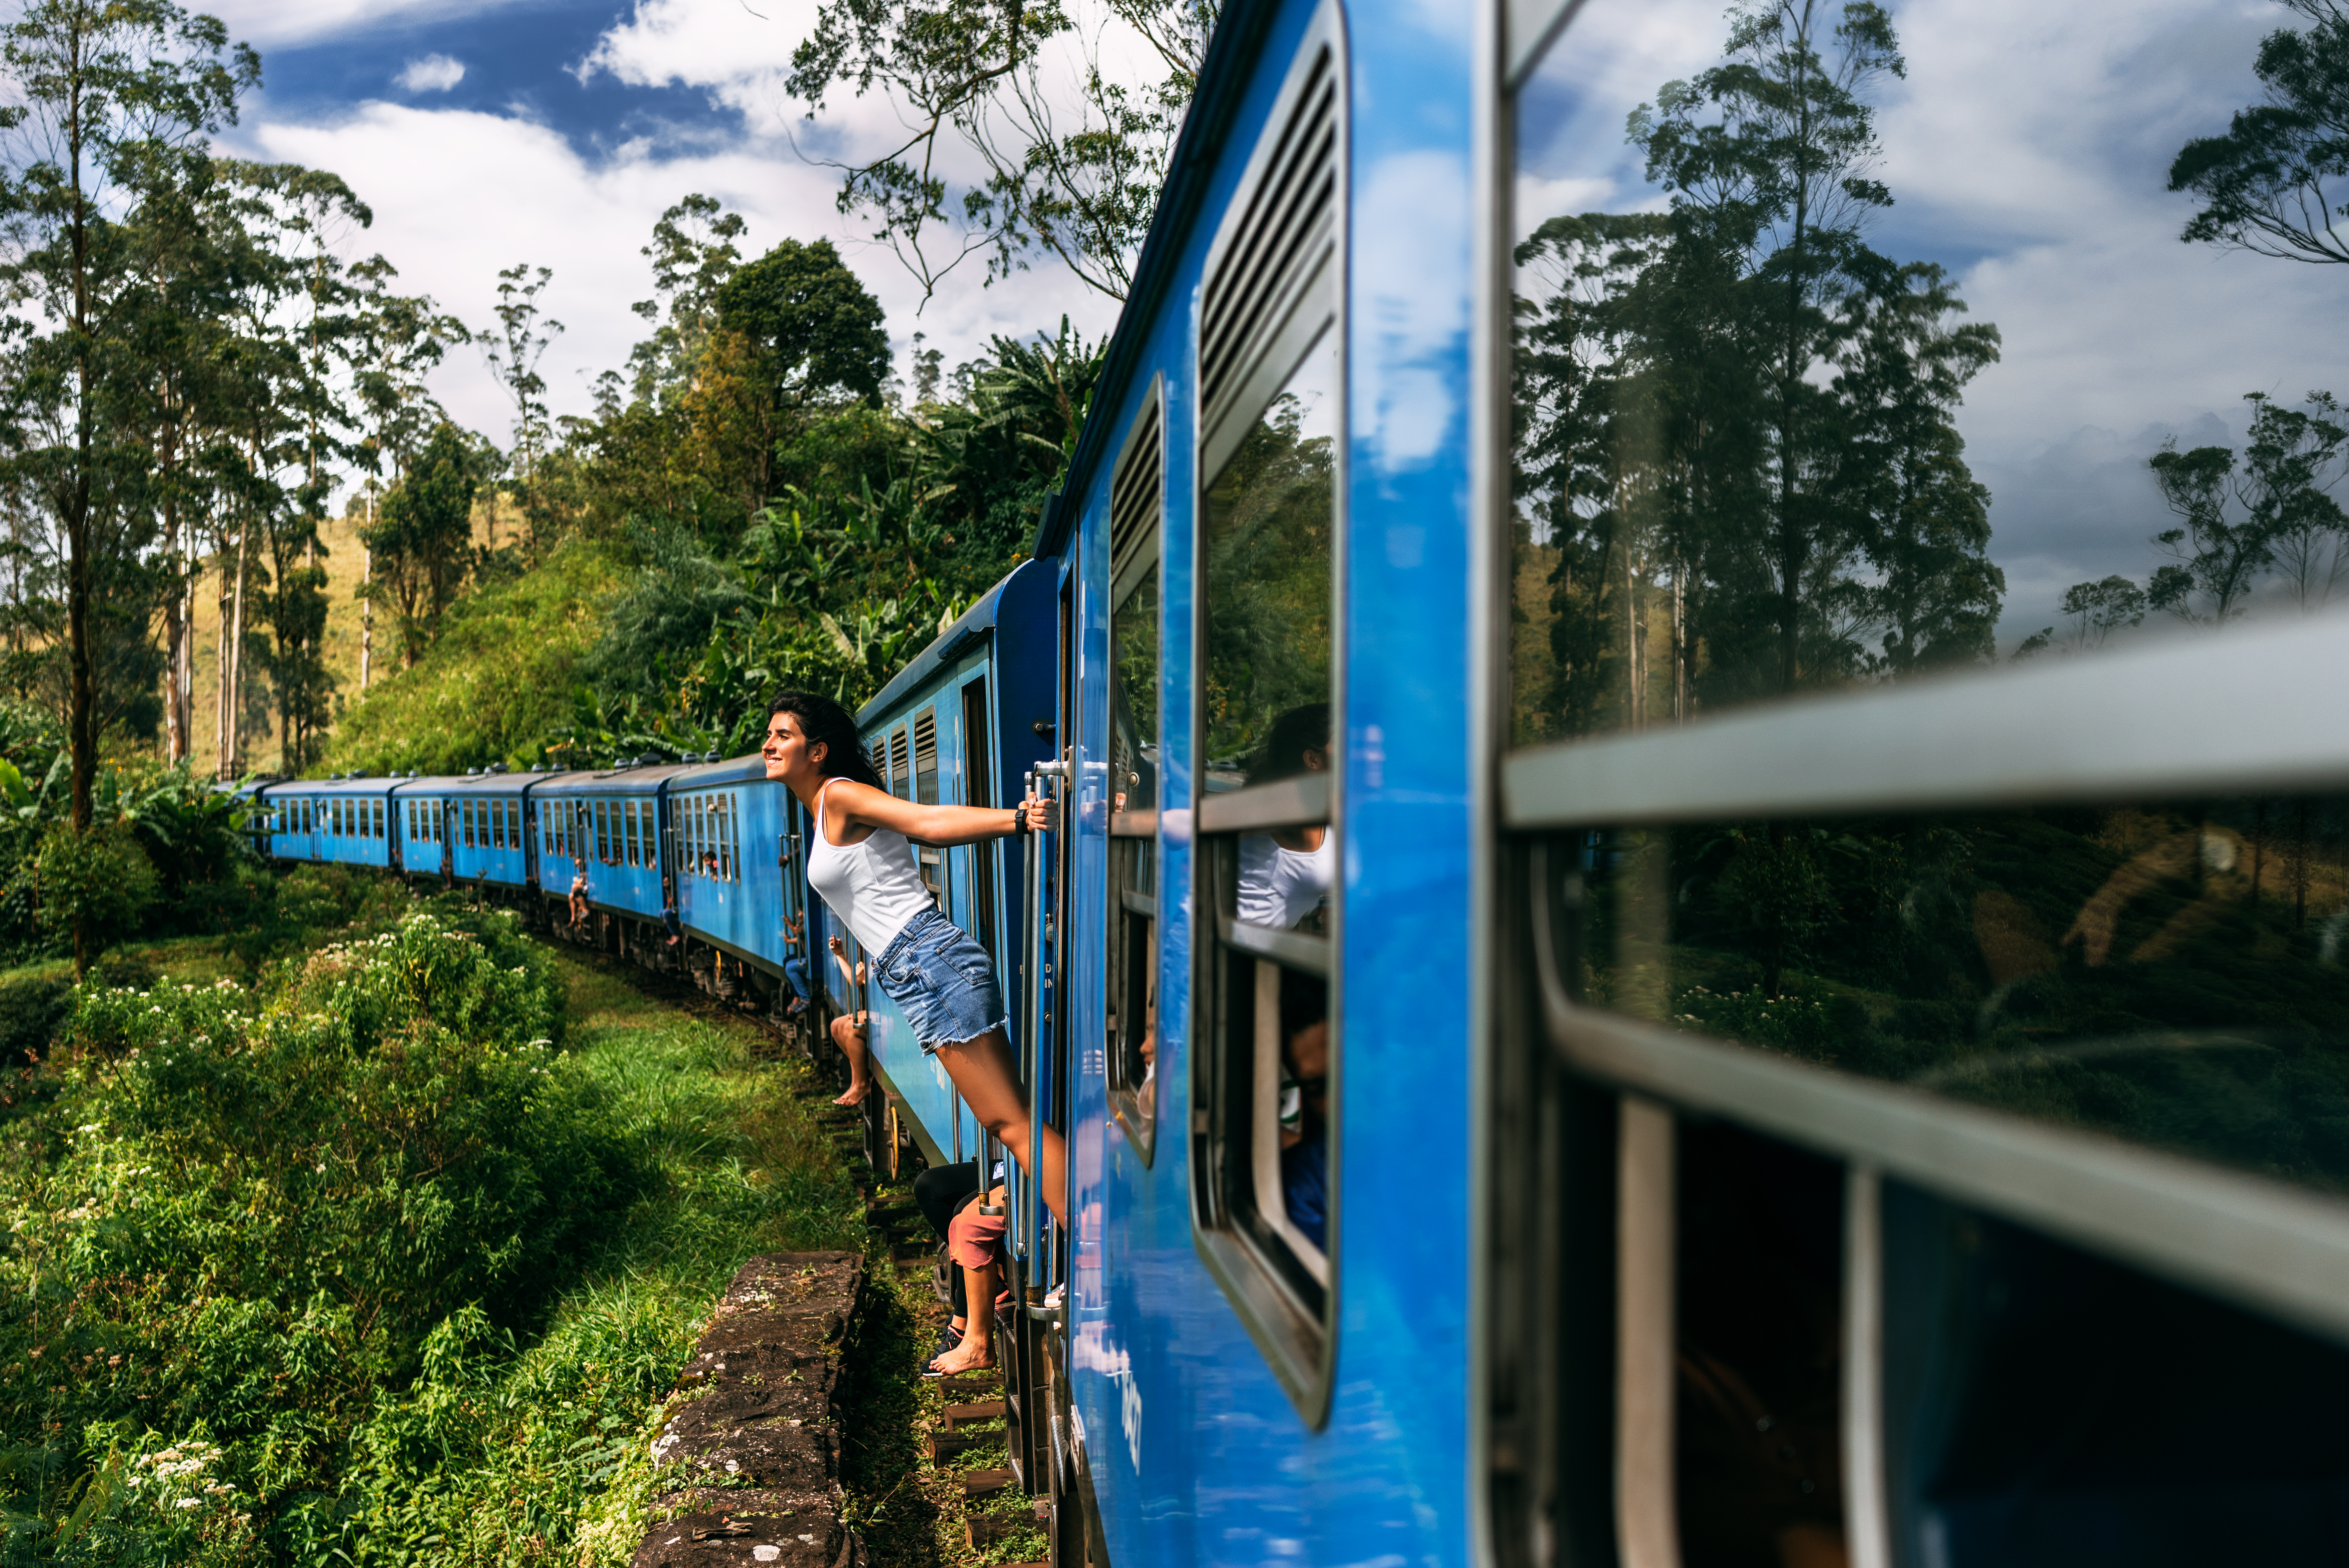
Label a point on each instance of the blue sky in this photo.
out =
(555, 133)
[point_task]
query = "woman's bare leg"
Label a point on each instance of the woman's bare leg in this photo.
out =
(983, 1070)
(849, 1038)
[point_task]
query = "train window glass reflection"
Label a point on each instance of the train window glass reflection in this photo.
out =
(1269, 567)
(1270, 574)
(1881, 399)
(1136, 509)
(2170, 975)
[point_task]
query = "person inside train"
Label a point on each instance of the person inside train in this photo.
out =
(1305, 1104)
(848, 1029)
(941, 1193)
(795, 970)
(1286, 875)
(861, 860)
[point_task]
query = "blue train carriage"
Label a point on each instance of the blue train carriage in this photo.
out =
(962, 725)
(741, 887)
(446, 828)
(607, 825)
(342, 821)
(1267, 528)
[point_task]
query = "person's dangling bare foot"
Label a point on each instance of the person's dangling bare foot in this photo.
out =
(857, 1093)
(972, 1353)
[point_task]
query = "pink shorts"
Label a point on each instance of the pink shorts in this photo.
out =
(972, 1236)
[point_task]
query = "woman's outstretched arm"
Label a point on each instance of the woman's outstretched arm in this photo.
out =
(861, 805)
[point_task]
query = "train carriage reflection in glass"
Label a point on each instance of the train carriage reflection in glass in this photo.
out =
(1917, 1114)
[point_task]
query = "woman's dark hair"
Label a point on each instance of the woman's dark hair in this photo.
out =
(1300, 730)
(827, 724)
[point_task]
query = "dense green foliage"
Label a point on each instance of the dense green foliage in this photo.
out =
(662, 626)
(389, 1258)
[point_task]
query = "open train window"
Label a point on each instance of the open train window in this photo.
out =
(1267, 570)
(979, 789)
(1137, 489)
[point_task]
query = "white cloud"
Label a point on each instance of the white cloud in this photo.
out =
(431, 74)
(588, 222)
(274, 24)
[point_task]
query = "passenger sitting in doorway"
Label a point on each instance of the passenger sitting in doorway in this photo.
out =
(1286, 875)
(669, 910)
(848, 1029)
(578, 891)
(974, 1242)
(940, 1194)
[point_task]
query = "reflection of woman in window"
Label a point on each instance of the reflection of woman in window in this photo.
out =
(861, 860)
(1286, 876)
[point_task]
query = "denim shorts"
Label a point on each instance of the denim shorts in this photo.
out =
(942, 981)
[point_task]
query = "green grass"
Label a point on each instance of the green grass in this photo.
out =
(503, 673)
(742, 1167)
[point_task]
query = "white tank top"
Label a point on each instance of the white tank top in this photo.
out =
(1279, 887)
(874, 885)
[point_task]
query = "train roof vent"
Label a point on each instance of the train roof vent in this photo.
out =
(1135, 491)
(1273, 253)
(925, 757)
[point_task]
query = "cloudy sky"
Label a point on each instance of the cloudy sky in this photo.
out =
(555, 132)
(2027, 151)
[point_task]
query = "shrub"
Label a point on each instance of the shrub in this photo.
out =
(253, 1219)
(100, 880)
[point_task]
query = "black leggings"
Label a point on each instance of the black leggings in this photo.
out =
(940, 1193)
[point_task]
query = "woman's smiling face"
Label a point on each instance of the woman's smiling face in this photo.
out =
(785, 750)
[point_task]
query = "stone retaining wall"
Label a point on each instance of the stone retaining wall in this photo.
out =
(750, 1468)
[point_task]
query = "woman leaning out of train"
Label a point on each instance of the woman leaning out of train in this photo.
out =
(862, 863)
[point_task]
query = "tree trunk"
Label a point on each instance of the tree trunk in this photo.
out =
(366, 599)
(234, 661)
(81, 700)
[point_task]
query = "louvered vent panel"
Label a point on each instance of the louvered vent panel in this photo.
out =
(925, 757)
(900, 775)
(1288, 226)
(1134, 495)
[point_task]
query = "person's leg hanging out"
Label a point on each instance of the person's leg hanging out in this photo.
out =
(983, 1070)
(848, 1034)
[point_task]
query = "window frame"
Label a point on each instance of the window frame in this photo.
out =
(1134, 835)
(1297, 1336)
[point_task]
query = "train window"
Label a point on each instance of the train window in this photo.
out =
(2012, 1006)
(978, 784)
(1267, 1046)
(1137, 486)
